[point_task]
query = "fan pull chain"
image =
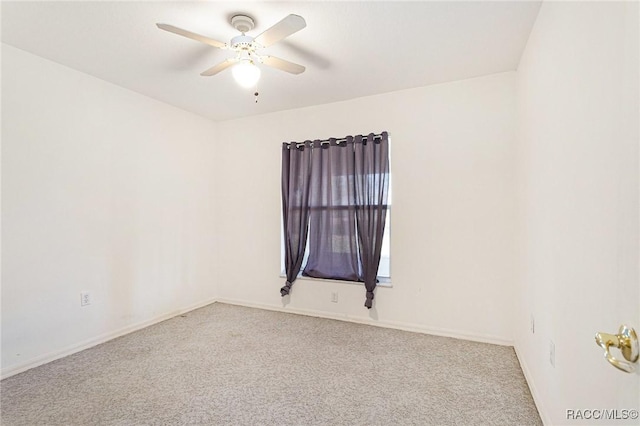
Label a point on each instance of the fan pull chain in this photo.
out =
(256, 93)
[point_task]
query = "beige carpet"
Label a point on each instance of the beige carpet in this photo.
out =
(229, 365)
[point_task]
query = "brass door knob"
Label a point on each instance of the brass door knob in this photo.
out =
(627, 341)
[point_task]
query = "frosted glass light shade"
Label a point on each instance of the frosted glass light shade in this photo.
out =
(246, 73)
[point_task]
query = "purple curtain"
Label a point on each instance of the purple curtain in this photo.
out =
(333, 247)
(371, 173)
(296, 174)
(335, 193)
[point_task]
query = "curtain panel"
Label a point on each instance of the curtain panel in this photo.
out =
(340, 200)
(296, 180)
(371, 182)
(333, 247)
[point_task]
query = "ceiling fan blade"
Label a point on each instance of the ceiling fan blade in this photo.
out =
(193, 36)
(284, 28)
(281, 64)
(220, 67)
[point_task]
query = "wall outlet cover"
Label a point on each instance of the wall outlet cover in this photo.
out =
(85, 298)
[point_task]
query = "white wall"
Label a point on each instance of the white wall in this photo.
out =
(103, 190)
(452, 242)
(578, 203)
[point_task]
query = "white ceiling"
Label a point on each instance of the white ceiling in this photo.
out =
(350, 49)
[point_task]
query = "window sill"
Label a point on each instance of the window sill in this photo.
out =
(382, 281)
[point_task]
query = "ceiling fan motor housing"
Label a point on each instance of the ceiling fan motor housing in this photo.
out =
(242, 42)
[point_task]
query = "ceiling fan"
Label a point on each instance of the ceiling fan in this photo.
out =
(244, 68)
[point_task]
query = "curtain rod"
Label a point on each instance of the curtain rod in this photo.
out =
(325, 141)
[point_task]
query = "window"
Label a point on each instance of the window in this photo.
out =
(332, 247)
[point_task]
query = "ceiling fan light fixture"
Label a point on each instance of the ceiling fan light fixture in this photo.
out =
(246, 73)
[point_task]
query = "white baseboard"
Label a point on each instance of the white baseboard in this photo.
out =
(417, 328)
(69, 350)
(544, 415)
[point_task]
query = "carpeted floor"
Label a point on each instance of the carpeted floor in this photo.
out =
(230, 365)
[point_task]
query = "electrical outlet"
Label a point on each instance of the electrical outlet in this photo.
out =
(334, 297)
(533, 325)
(552, 353)
(85, 298)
